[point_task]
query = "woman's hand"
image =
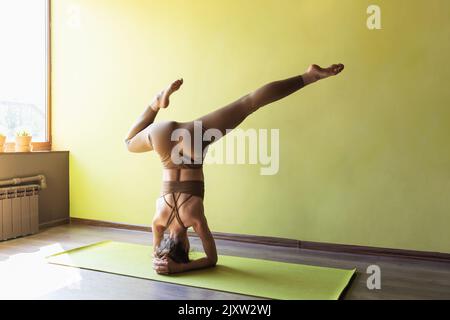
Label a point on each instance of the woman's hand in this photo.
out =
(166, 266)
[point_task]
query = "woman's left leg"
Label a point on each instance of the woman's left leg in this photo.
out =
(231, 116)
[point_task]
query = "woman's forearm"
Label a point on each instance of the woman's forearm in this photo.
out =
(158, 236)
(202, 263)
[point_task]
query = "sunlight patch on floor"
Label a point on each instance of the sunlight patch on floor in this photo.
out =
(29, 276)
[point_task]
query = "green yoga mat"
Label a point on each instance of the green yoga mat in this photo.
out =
(252, 277)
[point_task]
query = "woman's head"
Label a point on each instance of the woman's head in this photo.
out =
(176, 248)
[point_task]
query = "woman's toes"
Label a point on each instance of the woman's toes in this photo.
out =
(177, 84)
(337, 68)
(316, 73)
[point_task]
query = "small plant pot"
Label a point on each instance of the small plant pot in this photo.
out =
(2, 143)
(23, 144)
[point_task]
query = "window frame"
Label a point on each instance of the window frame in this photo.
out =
(47, 145)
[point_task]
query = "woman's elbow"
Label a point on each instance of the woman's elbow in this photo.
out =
(213, 261)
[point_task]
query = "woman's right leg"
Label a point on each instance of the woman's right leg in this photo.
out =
(231, 116)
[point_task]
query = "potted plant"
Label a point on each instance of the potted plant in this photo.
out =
(23, 142)
(2, 142)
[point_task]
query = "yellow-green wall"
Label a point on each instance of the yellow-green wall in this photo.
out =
(365, 158)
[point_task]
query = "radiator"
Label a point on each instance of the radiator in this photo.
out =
(19, 211)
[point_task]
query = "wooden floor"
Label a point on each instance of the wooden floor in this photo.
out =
(25, 275)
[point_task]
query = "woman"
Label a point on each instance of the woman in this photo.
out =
(181, 204)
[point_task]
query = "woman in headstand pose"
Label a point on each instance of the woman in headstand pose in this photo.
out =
(181, 204)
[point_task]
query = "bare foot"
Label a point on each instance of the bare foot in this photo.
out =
(316, 73)
(163, 99)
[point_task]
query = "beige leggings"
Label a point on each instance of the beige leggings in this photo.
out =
(231, 116)
(146, 136)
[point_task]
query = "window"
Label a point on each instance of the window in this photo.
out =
(24, 70)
